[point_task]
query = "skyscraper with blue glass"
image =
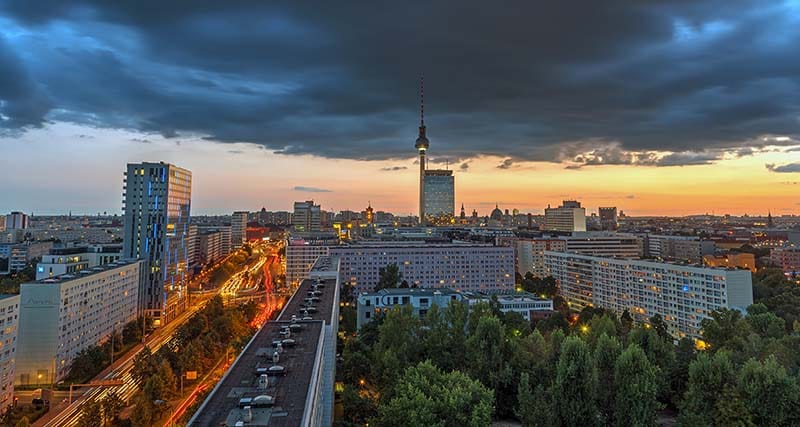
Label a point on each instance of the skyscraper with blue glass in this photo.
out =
(157, 203)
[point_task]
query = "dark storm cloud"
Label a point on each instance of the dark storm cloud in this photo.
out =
(787, 168)
(394, 168)
(311, 189)
(658, 83)
(505, 164)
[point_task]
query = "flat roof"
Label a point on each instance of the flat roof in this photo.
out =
(289, 392)
(85, 272)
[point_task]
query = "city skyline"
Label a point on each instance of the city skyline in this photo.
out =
(663, 111)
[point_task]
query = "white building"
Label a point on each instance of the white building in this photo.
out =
(238, 229)
(529, 254)
(421, 300)
(657, 243)
(63, 315)
(71, 260)
(9, 319)
(460, 266)
(568, 217)
(301, 255)
(683, 295)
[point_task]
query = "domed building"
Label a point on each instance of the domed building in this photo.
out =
(497, 214)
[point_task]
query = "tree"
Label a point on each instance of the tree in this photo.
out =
(636, 389)
(533, 407)
(485, 351)
(599, 325)
(91, 414)
(143, 412)
(730, 410)
(606, 353)
(144, 365)
(769, 393)
(456, 316)
(723, 328)
(170, 382)
(708, 377)
(23, 422)
(426, 396)
(575, 385)
(658, 325)
(389, 277)
(626, 322)
(764, 322)
(397, 346)
(112, 405)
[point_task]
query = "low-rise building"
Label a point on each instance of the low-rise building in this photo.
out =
(71, 260)
(63, 315)
(731, 260)
(787, 258)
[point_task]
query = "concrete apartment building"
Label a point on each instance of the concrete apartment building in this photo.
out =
(787, 258)
(460, 266)
(529, 252)
(306, 217)
(9, 321)
(301, 254)
(683, 295)
(63, 315)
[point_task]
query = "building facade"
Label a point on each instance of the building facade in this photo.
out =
(683, 295)
(608, 218)
(461, 267)
(71, 260)
(306, 217)
(63, 315)
(568, 217)
(787, 258)
(238, 229)
(17, 221)
(9, 321)
(439, 196)
(157, 207)
(731, 260)
(301, 255)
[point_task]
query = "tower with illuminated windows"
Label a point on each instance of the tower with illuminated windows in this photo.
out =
(436, 186)
(156, 231)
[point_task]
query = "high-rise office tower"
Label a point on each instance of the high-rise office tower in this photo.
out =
(157, 203)
(307, 217)
(568, 217)
(238, 229)
(439, 196)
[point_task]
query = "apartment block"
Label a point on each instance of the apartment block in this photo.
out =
(683, 295)
(63, 315)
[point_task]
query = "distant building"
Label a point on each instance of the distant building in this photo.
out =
(210, 247)
(63, 315)
(9, 321)
(731, 260)
(608, 218)
(683, 295)
(439, 196)
(568, 217)
(19, 255)
(17, 221)
(529, 252)
(787, 258)
(680, 248)
(72, 260)
(157, 206)
(238, 229)
(306, 217)
(462, 267)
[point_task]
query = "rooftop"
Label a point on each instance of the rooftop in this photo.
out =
(87, 272)
(290, 391)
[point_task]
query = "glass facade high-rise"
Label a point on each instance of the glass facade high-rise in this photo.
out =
(439, 196)
(157, 205)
